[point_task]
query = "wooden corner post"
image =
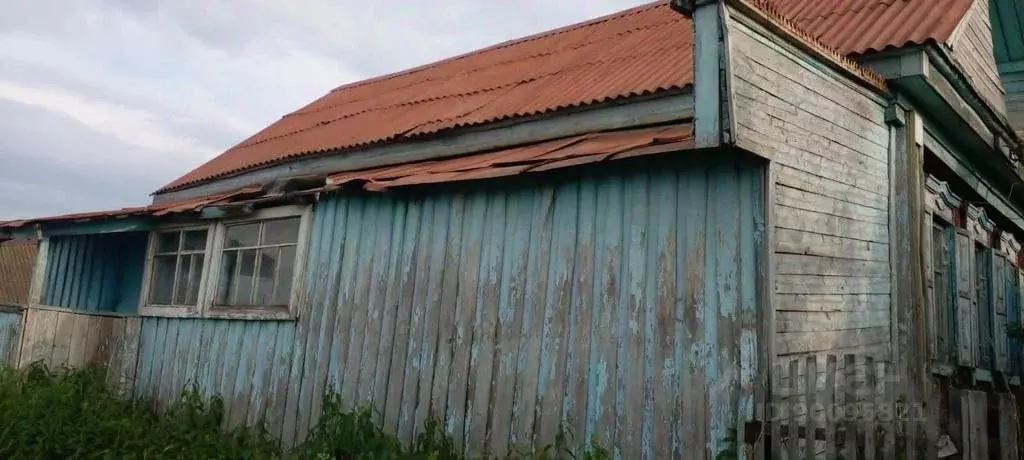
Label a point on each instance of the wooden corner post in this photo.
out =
(711, 113)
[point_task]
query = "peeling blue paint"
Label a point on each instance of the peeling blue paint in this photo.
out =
(607, 300)
(101, 272)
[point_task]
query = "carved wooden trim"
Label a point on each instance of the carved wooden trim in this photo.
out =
(979, 225)
(1009, 247)
(941, 200)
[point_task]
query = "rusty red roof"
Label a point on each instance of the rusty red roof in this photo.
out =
(638, 51)
(861, 26)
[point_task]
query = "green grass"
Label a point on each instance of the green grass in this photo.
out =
(56, 415)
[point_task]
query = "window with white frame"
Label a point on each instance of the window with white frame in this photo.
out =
(244, 267)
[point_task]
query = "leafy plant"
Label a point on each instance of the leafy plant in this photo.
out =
(46, 414)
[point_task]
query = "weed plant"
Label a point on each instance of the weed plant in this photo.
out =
(57, 415)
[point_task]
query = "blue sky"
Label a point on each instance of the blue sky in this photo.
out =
(104, 101)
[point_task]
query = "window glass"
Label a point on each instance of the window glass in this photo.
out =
(177, 267)
(257, 263)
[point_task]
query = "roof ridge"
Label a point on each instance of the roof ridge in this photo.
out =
(505, 44)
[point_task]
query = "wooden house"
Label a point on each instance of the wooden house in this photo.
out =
(621, 226)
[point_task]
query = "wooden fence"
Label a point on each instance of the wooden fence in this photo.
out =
(858, 408)
(63, 338)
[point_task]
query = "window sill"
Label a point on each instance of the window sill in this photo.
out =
(248, 314)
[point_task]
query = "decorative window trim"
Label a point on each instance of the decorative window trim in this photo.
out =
(978, 225)
(941, 200)
(210, 277)
(1009, 248)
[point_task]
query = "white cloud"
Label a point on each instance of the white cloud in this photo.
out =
(129, 94)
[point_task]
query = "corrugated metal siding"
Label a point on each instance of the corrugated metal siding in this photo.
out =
(10, 328)
(96, 272)
(610, 302)
(17, 260)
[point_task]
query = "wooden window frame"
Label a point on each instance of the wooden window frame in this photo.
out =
(210, 275)
(941, 208)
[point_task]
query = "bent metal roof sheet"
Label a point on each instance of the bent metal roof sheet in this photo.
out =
(638, 51)
(533, 158)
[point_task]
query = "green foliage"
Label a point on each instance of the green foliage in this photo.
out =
(46, 414)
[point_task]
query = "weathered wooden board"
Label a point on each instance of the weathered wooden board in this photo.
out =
(10, 336)
(971, 47)
(829, 144)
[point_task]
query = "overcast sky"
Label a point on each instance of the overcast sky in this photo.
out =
(104, 101)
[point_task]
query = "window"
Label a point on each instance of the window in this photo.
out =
(245, 267)
(257, 263)
(177, 267)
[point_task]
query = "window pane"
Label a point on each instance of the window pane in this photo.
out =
(243, 235)
(192, 298)
(167, 242)
(227, 273)
(281, 231)
(163, 280)
(265, 281)
(285, 269)
(195, 240)
(181, 285)
(246, 270)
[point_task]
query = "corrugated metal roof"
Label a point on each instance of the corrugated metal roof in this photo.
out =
(637, 51)
(634, 52)
(17, 261)
(860, 26)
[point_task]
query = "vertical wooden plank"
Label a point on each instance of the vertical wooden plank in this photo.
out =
(465, 312)
(129, 355)
(389, 292)
(485, 328)
(306, 383)
(793, 425)
(582, 314)
(811, 403)
(446, 323)
(510, 316)
(777, 410)
(528, 367)
(45, 334)
(325, 299)
(62, 340)
(432, 307)
(376, 306)
(115, 342)
(229, 371)
(147, 346)
(350, 389)
(889, 388)
(349, 276)
(850, 406)
(237, 408)
(870, 421)
(263, 364)
(551, 385)
(692, 405)
(39, 272)
(280, 385)
(76, 352)
(1009, 428)
(401, 294)
(629, 402)
(830, 401)
(659, 330)
(401, 365)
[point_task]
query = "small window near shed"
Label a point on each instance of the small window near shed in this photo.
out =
(257, 263)
(178, 263)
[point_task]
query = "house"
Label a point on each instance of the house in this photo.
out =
(621, 225)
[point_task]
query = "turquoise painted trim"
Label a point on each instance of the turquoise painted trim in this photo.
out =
(98, 227)
(707, 106)
(10, 333)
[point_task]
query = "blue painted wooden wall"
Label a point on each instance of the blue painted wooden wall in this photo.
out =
(609, 301)
(101, 272)
(10, 329)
